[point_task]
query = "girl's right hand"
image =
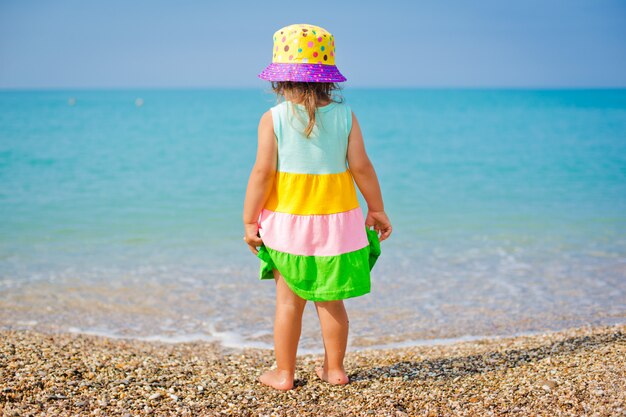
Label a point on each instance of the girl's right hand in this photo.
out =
(381, 223)
(251, 236)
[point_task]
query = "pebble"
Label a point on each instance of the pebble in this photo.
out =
(547, 384)
(155, 396)
(582, 369)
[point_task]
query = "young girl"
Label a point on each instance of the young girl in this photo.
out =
(301, 214)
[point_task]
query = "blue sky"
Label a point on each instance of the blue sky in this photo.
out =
(119, 44)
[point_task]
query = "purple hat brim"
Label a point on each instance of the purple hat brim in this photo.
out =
(316, 73)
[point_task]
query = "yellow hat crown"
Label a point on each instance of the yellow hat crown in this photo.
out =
(303, 44)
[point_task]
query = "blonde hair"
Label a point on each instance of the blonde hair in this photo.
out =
(309, 94)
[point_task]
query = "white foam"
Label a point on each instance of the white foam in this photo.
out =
(225, 339)
(26, 322)
(235, 340)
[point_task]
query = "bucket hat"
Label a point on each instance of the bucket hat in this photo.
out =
(303, 53)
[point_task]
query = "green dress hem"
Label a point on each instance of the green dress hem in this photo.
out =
(324, 278)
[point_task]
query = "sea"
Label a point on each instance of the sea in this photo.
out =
(121, 214)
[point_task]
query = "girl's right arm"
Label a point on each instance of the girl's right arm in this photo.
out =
(365, 177)
(260, 181)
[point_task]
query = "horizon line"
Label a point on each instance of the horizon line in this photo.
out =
(360, 87)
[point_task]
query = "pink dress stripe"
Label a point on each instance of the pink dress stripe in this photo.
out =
(313, 235)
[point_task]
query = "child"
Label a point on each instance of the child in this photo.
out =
(301, 209)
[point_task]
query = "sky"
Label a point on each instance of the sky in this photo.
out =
(67, 44)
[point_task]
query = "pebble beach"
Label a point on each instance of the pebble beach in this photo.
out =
(575, 372)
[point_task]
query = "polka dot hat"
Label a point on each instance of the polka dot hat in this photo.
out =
(304, 53)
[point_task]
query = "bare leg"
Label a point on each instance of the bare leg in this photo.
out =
(287, 328)
(334, 323)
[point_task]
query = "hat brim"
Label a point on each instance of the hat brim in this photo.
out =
(316, 73)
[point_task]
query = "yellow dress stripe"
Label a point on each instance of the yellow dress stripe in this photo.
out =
(307, 194)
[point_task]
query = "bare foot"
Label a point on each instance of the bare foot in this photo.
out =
(335, 376)
(275, 378)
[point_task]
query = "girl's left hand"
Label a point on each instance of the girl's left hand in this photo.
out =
(252, 237)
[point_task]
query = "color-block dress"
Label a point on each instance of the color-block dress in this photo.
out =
(312, 226)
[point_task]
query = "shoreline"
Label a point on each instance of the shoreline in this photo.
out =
(575, 371)
(229, 340)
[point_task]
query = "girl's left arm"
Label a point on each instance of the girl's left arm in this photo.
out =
(260, 181)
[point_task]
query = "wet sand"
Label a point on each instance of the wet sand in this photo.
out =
(575, 372)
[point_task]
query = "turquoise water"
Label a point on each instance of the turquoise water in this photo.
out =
(508, 206)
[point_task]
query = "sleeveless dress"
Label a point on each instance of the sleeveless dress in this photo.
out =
(312, 226)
